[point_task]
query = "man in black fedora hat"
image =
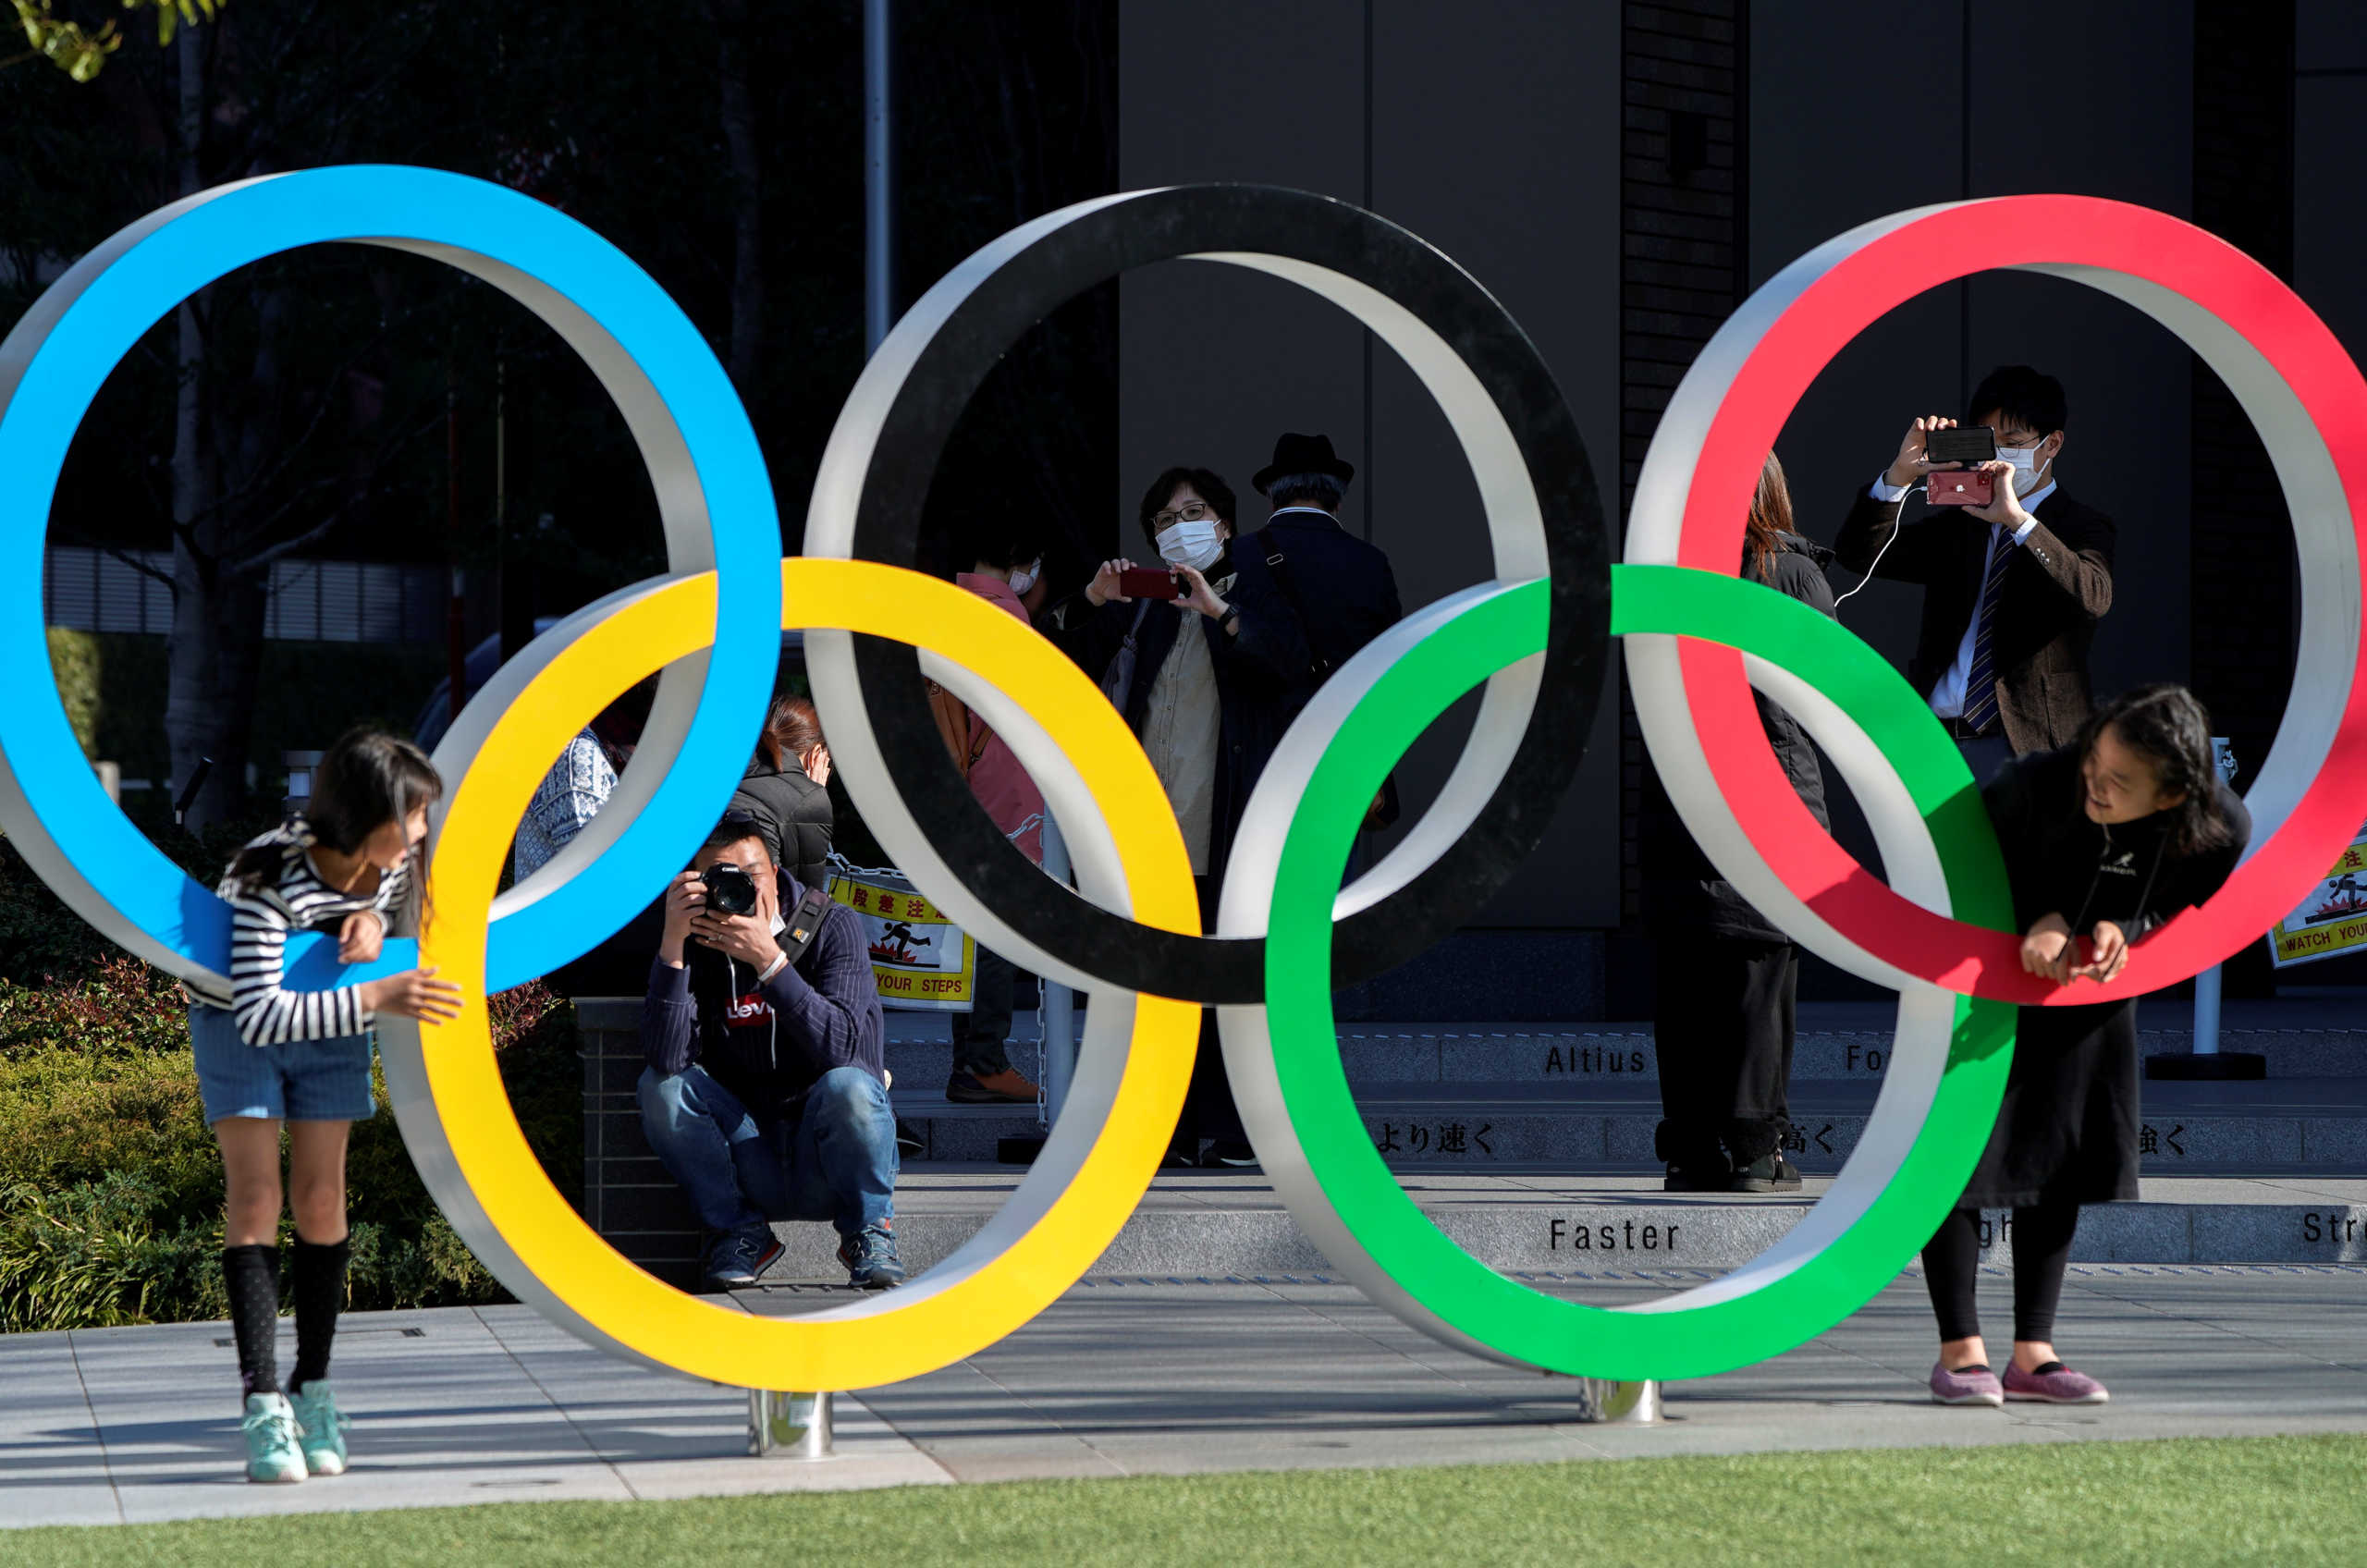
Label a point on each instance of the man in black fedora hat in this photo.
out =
(1339, 587)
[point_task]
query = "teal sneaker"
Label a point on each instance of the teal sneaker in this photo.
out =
(322, 1428)
(270, 1426)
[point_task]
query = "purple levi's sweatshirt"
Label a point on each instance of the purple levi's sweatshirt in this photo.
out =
(768, 1043)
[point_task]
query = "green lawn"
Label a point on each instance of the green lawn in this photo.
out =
(2267, 1500)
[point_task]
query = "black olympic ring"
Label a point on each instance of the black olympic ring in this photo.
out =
(1097, 244)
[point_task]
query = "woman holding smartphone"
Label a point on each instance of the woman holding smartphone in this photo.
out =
(2105, 841)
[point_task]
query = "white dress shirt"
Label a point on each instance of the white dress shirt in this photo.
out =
(1947, 697)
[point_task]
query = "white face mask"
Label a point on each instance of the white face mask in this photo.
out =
(1022, 578)
(1195, 544)
(2026, 466)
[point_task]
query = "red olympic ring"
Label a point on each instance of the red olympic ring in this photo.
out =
(2070, 236)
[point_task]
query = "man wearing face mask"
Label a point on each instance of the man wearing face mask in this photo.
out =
(2012, 591)
(1008, 553)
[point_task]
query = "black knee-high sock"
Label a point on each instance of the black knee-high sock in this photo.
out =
(319, 1289)
(250, 1274)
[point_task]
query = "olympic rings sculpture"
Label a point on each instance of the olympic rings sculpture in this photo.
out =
(1536, 638)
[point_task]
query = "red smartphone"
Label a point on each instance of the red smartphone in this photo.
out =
(1961, 487)
(1148, 582)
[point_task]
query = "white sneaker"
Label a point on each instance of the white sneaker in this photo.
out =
(270, 1428)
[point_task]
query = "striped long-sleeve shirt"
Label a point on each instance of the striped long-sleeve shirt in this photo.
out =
(297, 899)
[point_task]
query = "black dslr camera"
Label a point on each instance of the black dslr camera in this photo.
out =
(730, 890)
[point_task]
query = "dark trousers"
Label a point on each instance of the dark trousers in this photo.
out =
(2041, 1239)
(1724, 1028)
(1207, 1106)
(979, 1034)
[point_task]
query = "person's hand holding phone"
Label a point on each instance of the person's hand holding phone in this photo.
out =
(2110, 955)
(1104, 586)
(2005, 510)
(2046, 949)
(1198, 594)
(1911, 464)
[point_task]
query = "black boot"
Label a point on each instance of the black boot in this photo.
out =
(1696, 1163)
(1756, 1150)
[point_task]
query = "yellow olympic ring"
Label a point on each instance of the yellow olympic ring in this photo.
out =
(455, 1111)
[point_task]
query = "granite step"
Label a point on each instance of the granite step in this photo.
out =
(1837, 1042)
(1193, 1225)
(2298, 1125)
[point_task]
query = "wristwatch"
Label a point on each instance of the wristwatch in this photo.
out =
(1232, 614)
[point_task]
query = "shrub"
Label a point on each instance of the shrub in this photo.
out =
(111, 1188)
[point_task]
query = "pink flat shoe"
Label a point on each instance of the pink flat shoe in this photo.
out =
(1972, 1385)
(2055, 1383)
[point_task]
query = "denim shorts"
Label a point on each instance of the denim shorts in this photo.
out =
(303, 1080)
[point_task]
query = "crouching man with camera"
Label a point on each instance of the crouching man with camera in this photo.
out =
(766, 1094)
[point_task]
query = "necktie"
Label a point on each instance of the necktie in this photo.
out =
(1980, 682)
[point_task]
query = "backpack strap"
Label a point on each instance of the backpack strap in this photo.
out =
(806, 924)
(1278, 566)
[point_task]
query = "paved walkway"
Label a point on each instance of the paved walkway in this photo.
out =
(1124, 1377)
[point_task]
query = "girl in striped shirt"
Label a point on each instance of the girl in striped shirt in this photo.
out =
(267, 1055)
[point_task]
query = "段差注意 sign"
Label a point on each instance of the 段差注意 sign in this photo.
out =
(2333, 921)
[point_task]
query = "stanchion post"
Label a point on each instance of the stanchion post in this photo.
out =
(2204, 1062)
(1602, 1401)
(1059, 1002)
(789, 1425)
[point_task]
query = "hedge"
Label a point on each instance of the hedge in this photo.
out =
(110, 1185)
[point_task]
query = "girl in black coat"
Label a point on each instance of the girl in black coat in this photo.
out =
(2105, 841)
(1728, 980)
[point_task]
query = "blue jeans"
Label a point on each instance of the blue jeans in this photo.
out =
(833, 1157)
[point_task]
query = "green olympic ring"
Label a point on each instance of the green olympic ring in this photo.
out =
(1831, 1265)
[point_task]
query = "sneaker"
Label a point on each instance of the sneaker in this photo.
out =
(1229, 1153)
(1967, 1385)
(870, 1256)
(320, 1427)
(270, 1428)
(2054, 1383)
(741, 1257)
(1698, 1179)
(1006, 1088)
(1768, 1174)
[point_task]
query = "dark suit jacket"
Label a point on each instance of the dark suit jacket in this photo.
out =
(2058, 586)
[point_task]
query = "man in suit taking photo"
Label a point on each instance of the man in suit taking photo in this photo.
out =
(2012, 591)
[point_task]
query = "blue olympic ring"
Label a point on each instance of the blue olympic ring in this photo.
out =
(710, 476)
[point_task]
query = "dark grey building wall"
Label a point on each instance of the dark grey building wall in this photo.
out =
(2330, 208)
(1491, 129)
(1849, 121)
(1494, 130)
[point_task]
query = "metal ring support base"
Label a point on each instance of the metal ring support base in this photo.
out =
(789, 1425)
(1604, 1400)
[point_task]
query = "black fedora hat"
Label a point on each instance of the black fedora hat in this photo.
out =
(1295, 453)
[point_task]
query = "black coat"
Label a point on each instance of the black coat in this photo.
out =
(796, 816)
(2057, 587)
(2068, 1129)
(1684, 895)
(1345, 596)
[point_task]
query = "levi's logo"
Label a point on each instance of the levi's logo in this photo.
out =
(743, 1011)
